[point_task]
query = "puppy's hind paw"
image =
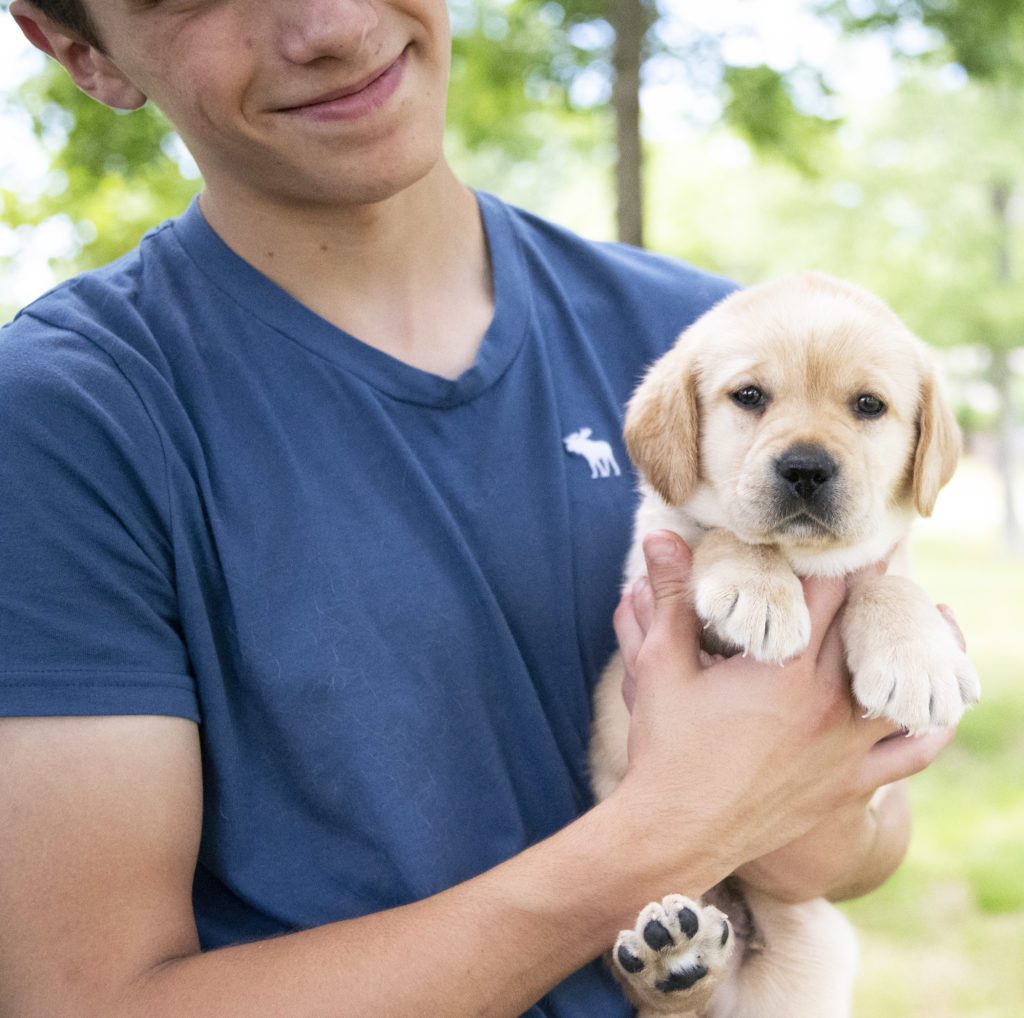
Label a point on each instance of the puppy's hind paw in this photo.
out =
(672, 958)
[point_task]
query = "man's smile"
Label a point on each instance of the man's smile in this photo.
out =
(356, 100)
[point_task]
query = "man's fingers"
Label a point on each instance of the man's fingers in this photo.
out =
(870, 571)
(824, 598)
(627, 628)
(643, 603)
(947, 613)
(900, 756)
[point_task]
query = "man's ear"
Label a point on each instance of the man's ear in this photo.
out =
(90, 68)
(661, 428)
(938, 446)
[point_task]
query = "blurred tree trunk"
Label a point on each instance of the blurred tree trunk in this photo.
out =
(629, 19)
(1001, 194)
(1002, 378)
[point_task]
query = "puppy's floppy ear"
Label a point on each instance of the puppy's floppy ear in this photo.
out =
(938, 446)
(661, 428)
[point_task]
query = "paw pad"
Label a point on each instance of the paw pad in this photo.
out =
(676, 947)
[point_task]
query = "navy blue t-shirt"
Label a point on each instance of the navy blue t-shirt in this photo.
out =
(385, 596)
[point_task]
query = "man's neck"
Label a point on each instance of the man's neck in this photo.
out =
(409, 275)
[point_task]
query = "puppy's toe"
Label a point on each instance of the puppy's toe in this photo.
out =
(672, 957)
(762, 614)
(906, 664)
(967, 680)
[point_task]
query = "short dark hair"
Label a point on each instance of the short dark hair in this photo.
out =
(71, 14)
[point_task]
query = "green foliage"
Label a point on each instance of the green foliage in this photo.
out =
(111, 173)
(942, 938)
(760, 107)
(515, 62)
(902, 202)
(986, 37)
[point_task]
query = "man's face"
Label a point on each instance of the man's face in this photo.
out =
(310, 101)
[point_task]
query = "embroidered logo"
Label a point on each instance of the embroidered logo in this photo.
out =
(598, 454)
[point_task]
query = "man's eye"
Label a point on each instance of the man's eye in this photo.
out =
(749, 396)
(868, 405)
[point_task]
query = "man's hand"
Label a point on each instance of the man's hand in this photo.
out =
(780, 758)
(858, 848)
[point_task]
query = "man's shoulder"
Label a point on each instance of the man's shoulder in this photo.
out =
(90, 300)
(599, 265)
(627, 305)
(91, 337)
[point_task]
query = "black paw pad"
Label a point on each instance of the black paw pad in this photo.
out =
(682, 980)
(656, 936)
(629, 962)
(688, 922)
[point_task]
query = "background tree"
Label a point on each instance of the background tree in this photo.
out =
(581, 56)
(986, 39)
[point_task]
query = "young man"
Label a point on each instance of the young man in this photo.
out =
(299, 629)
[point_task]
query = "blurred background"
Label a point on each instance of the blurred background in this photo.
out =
(882, 140)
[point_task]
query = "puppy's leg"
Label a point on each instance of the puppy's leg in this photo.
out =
(675, 957)
(749, 596)
(905, 661)
(609, 731)
(805, 967)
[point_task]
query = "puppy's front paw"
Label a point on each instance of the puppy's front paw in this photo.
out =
(671, 960)
(906, 663)
(761, 612)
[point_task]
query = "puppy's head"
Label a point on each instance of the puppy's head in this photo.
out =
(800, 412)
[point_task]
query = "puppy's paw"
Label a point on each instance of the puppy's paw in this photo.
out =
(672, 959)
(906, 663)
(761, 612)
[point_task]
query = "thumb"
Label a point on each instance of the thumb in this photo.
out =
(674, 634)
(668, 568)
(668, 572)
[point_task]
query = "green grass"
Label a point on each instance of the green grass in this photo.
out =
(944, 938)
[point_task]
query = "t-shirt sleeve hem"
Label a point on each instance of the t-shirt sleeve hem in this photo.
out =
(86, 693)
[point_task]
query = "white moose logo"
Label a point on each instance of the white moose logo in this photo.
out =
(598, 454)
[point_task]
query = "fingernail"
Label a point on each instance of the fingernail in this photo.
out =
(661, 548)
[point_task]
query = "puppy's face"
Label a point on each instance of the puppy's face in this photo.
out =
(801, 413)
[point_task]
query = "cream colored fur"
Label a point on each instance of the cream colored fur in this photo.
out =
(814, 345)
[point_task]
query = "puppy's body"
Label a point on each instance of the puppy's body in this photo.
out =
(795, 430)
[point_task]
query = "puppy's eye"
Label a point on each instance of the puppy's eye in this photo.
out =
(749, 396)
(869, 406)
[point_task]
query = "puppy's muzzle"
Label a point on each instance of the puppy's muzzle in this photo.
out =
(805, 476)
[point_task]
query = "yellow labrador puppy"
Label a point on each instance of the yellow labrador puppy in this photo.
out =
(794, 430)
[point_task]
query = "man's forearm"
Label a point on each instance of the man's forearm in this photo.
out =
(887, 826)
(491, 946)
(845, 857)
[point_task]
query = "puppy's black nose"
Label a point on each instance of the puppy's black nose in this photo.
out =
(806, 469)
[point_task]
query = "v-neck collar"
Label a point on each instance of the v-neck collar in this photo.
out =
(265, 300)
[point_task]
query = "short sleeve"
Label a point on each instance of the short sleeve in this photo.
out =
(88, 611)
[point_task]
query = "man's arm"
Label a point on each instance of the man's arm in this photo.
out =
(846, 856)
(100, 822)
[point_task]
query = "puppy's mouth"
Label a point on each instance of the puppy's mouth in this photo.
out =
(807, 525)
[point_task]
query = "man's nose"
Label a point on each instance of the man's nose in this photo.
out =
(325, 28)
